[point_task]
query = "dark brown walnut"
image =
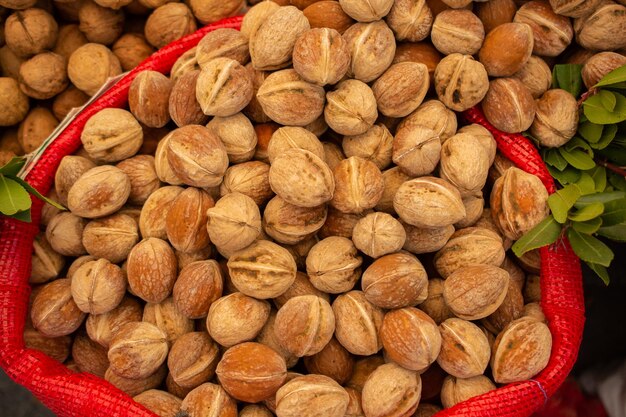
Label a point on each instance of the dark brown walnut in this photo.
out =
(509, 105)
(198, 285)
(494, 13)
(58, 348)
(511, 309)
(552, 33)
(192, 359)
(186, 220)
(148, 98)
(67, 100)
(151, 270)
(328, 14)
(425, 240)
(506, 49)
(89, 356)
(54, 313)
(333, 361)
(421, 52)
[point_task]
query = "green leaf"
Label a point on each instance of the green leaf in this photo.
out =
(13, 166)
(578, 143)
(599, 198)
(554, 158)
(600, 271)
(568, 77)
(598, 174)
(589, 227)
(561, 201)
(586, 184)
(13, 197)
(596, 113)
(22, 216)
(617, 181)
(578, 159)
(614, 213)
(587, 213)
(589, 249)
(590, 131)
(545, 233)
(616, 76)
(568, 176)
(608, 134)
(607, 99)
(38, 194)
(616, 232)
(614, 153)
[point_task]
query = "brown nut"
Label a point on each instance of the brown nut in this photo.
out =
(236, 318)
(136, 386)
(237, 134)
(99, 192)
(475, 291)
(340, 224)
(38, 124)
(148, 98)
(511, 309)
(198, 285)
(11, 93)
(521, 351)
(212, 11)
(31, 31)
(151, 270)
(435, 115)
(350, 108)
(401, 89)
(556, 119)
(131, 49)
(143, 177)
(137, 350)
(234, 223)
(262, 270)
(98, 286)
(186, 220)
(333, 361)
(460, 81)
(333, 265)
(304, 325)
(224, 87)
(301, 178)
(394, 281)
(248, 178)
(311, 392)
(166, 316)
(168, 23)
(363, 368)
(372, 48)
(102, 25)
(195, 155)
(43, 76)
(410, 338)
(268, 338)
(517, 212)
(111, 238)
(112, 135)
(289, 100)
(425, 409)
(465, 350)
(54, 312)
(509, 105)
(456, 390)
(378, 234)
(46, 262)
(64, 233)
(366, 10)
(328, 14)
(102, 327)
(251, 372)
(293, 137)
(91, 65)
(70, 38)
(469, 246)
(457, 31)
(89, 356)
(410, 20)
(552, 33)
(602, 30)
(153, 215)
(358, 185)
(413, 208)
(70, 169)
(435, 305)
(358, 323)
(506, 49)
(321, 56)
(599, 65)
(192, 359)
(375, 145)
(208, 400)
(183, 106)
(421, 52)
(494, 13)
(255, 411)
(289, 224)
(159, 402)
(226, 42)
(465, 163)
(416, 150)
(391, 391)
(536, 75)
(424, 240)
(57, 348)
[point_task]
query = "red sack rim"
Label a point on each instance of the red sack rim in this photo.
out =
(68, 393)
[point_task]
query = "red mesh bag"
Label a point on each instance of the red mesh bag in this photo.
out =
(79, 394)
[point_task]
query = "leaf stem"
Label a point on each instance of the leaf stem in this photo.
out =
(611, 167)
(592, 92)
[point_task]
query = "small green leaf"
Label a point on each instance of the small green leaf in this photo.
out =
(578, 143)
(608, 134)
(600, 271)
(13, 166)
(568, 77)
(587, 213)
(617, 181)
(13, 197)
(616, 232)
(598, 174)
(38, 194)
(589, 227)
(586, 184)
(608, 100)
(567, 176)
(590, 131)
(614, 213)
(561, 201)
(599, 198)
(578, 159)
(554, 158)
(589, 249)
(616, 76)
(545, 233)
(22, 216)
(596, 113)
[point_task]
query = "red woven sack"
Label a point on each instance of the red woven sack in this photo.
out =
(80, 394)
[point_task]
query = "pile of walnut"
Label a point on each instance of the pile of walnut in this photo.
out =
(241, 217)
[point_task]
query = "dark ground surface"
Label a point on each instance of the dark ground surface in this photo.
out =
(604, 339)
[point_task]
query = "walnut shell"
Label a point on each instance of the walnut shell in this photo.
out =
(267, 337)
(333, 361)
(143, 177)
(54, 312)
(378, 234)
(136, 386)
(151, 270)
(374, 145)
(224, 87)
(535, 75)
(168, 23)
(328, 14)
(237, 134)
(416, 150)
(435, 304)
(350, 108)
(228, 326)
(111, 237)
(89, 356)
(289, 224)
(31, 31)
(604, 29)
(46, 262)
(435, 115)
(358, 323)
(57, 348)
(460, 81)
(224, 42)
(137, 350)
(358, 185)
(102, 327)
(186, 220)
(506, 49)
(556, 119)
(43, 76)
(424, 240)
(288, 137)
(159, 402)
(363, 368)
(148, 98)
(372, 48)
(456, 390)
(321, 56)
(552, 33)
(166, 316)
(112, 135)
(509, 105)
(333, 265)
(89, 67)
(64, 233)
(198, 285)
(600, 64)
(457, 31)
(401, 89)
(410, 20)
(192, 359)
(153, 215)
(183, 105)
(465, 350)
(98, 286)
(209, 400)
(391, 390)
(311, 392)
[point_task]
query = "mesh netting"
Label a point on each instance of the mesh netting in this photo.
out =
(80, 394)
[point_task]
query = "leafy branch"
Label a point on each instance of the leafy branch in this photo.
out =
(591, 203)
(14, 192)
